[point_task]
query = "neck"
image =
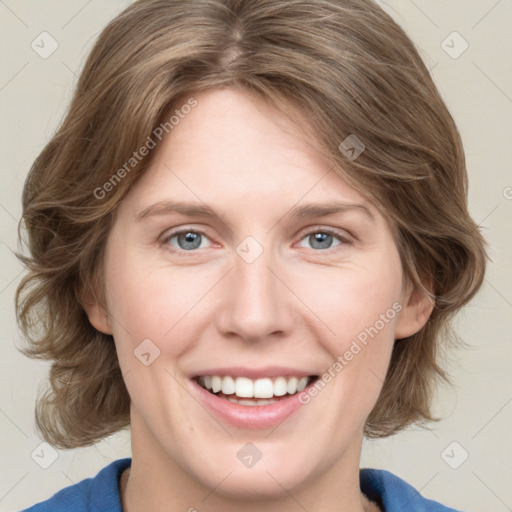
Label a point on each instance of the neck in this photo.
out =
(159, 482)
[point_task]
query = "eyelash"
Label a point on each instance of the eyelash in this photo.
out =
(344, 240)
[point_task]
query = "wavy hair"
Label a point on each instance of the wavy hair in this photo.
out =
(351, 69)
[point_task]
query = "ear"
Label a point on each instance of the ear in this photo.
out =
(98, 316)
(417, 307)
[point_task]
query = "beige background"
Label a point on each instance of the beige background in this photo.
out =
(477, 86)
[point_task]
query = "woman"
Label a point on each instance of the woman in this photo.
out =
(247, 241)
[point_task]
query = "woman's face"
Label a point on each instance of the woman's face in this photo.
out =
(221, 265)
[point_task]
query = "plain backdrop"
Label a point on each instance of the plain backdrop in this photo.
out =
(463, 461)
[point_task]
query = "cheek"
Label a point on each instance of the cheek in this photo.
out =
(159, 304)
(352, 299)
(358, 309)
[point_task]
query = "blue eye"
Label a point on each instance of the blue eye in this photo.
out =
(189, 240)
(186, 240)
(323, 239)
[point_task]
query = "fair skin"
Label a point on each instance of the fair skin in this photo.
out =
(299, 305)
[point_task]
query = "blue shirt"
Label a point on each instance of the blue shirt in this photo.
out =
(101, 493)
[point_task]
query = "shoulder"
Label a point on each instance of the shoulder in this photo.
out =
(97, 494)
(394, 494)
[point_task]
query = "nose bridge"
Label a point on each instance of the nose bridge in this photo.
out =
(256, 303)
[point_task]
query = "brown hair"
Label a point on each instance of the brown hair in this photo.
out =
(346, 65)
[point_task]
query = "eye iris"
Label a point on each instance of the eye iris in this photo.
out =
(324, 239)
(191, 240)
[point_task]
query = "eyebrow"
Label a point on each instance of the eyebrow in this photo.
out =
(330, 208)
(198, 210)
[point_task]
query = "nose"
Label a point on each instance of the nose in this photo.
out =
(256, 302)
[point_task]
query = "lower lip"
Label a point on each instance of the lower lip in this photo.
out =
(248, 416)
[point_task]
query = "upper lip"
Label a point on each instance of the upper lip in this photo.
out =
(254, 373)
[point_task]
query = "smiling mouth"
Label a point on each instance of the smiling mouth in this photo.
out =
(251, 392)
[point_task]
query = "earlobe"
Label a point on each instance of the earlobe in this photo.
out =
(97, 315)
(416, 310)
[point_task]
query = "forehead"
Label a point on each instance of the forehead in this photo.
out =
(234, 149)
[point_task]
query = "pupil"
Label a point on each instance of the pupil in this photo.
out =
(190, 241)
(324, 240)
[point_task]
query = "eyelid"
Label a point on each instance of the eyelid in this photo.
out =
(181, 229)
(343, 235)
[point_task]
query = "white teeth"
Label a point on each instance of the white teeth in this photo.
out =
(246, 402)
(216, 383)
(228, 385)
(303, 382)
(266, 402)
(250, 402)
(291, 386)
(244, 388)
(265, 388)
(280, 386)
